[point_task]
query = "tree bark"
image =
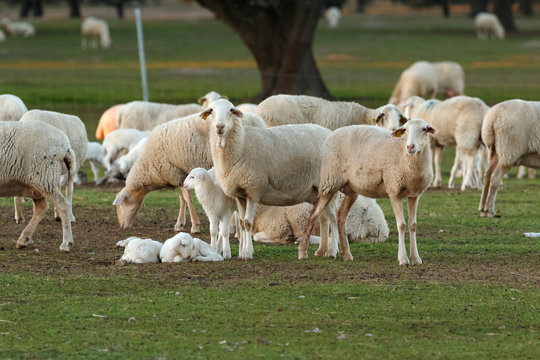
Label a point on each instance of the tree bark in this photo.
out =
(74, 10)
(478, 6)
(279, 34)
(503, 10)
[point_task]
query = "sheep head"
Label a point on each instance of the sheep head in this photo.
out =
(390, 117)
(417, 131)
(222, 114)
(194, 178)
(127, 205)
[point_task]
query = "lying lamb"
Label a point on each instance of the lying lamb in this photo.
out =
(182, 247)
(137, 250)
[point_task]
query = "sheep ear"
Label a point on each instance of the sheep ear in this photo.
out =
(236, 112)
(403, 120)
(431, 129)
(201, 100)
(398, 132)
(206, 113)
(122, 195)
(379, 118)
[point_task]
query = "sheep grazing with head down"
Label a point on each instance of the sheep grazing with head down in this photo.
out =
(376, 163)
(95, 31)
(450, 78)
(18, 28)
(12, 108)
(418, 79)
(511, 133)
(182, 247)
(139, 251)
(488, 25)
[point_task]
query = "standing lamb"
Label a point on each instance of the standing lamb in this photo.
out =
(95, 31)
(144, 115)
(182, 247)
(107, 122)
(511, 133)
(377, 163)
(488, 25)
(418, 79)
(42, 153)
(139, 251)
(450, 78)
(301, 109)
(12, 108)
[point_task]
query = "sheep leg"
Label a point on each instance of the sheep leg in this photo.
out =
(468, 169)
(241, 207)
(397, 206)
(223, 241)
(40, 207)
(192, 213)
(413, 205)
(69, 198)
(496, 179)
(95, 170)
(343, 211)
(247, 251)
(214, 222)
(181, 221)
(493, 161)
(19, 217)
(455, 169)
(437, 155)
(324, 249)
(303, 245)
(64, 210)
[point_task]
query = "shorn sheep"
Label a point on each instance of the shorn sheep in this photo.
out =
(459, 122)
(182, 247)
(511, 133)
(41, 153)
(144, 115)
(418, 79)
(139, 251)
(12, 108)
(283, 109)
(377, 163)
(488, 25)
(273, 166)
(107, 122)
(95, 31)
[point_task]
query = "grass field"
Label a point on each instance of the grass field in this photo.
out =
(476, 296)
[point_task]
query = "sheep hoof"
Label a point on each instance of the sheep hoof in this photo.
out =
(404, 261)
(331, 253)
(302, 254)
(348, 257)
(178, 227)
(416, 261)
(321, 252)
(25, 243)
(64, 247)
(195, 230)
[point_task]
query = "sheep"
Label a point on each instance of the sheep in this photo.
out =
(219, 208)
(212, 96)
(126, 162)
(107, 122)
(418, 79)
(139, 251)
(376, 163)
(95, 155)
(2, 36)
(144, 115)
(522, 170)
(488, 25)
(273, 166)
(333, 15)
(450, 78)
(300, 109)
(459, 121)
(511, 133)
(460, 167)
(95, 31)
(172, 151)
(33, 155)
(119, 142)
(18, 28)
(182, 247)
(12, 107)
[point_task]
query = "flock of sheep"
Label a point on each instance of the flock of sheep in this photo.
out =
(268, 172)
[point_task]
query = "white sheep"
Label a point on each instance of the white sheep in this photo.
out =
(12, 108)
(418, 79)
(41, 153)
(212, 96)
(273, 166)
(139, 251)
(377, 163)
(488, 25)
(450, 78)
(95, 155)
(95, 31)
(283, 109)
(18, 28)
(522, 170)
(219, 208)
(144, 115)
(333, 15)
(511, 133)
(182, 247)
(126, 162)
(459, 122)
(120, 142)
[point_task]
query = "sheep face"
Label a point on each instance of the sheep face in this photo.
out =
(417, 132)
(194, 178)
(390, 117)
(127, 205)
(410, 104)
(222, 114)
(180, 247)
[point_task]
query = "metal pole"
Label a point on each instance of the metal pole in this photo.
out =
(142, 61)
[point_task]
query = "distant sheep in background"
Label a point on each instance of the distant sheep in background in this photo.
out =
(450, 78)
(107, 122)
(333, 15)
(18, 28)
(2, 36)
(418, 79)
(95, 31)
(488, 25)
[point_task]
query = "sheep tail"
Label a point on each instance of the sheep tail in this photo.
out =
(71, 164)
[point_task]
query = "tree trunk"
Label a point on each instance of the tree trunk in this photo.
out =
(503, 10)
(478, 6)
(74, 10)
(445, 8)
(525, 7)
(27, 5)
(279, 34)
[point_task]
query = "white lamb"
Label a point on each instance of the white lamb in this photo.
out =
(511, 133)
(488, 25)
(18, 28)
(95, 155)
(139, 251)
(144, 115)
(418, 79)
(12, 108)
(120, 142)
(301, 109)
(450, 78)
(459, 122)
(377, 163)
(95, 31)
(333, 15)
(126, 162)
(41, 153)
(182, 247)
(273, 166)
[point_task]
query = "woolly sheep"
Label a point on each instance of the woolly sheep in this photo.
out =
(333, 15)
(458, 121)
(182, 247)
(450, 78)
(377, 163)
(107, 122)
(144, 115)
(95, 155)
(139, 251)
(212, 96)
(42, 153)
(18, 28)
(120, 142)
(511, 133)
(126, 162)
(300, 109)
(418, 79)
(273, 166)
(488, 25)
(95, 31)
(12, 107)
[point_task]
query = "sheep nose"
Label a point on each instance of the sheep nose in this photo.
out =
(410, 147)
(220, 128)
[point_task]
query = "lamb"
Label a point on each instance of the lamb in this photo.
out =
(41, 153)
(273, 166)
(119, 142)
(12, 107)
(300, 109)
(139, 251)
(18, 28)
(95, 155)
(418, 79)
(488, 25)
(377, 163)
(95, 31)
(511, 133)
(172, 151)
(107, 122)
(459, 121)
(450, 78)
(126, 162)
(182, 247)
(144, 115)
(333, 15)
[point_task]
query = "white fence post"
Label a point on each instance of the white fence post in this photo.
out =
(142, 60)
